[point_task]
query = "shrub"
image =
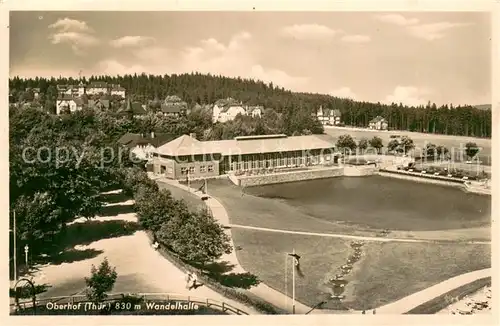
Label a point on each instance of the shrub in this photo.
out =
(101, 280)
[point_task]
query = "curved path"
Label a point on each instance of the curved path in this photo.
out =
(140, 268)
(280, 300)
(346, 236)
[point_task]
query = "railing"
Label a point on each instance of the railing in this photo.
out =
(206, 302)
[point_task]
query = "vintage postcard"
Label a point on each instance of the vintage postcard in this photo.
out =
(250, 160)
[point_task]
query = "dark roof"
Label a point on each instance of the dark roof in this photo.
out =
(132, 140)
(117, 88)
(134, 107)
(377, 119)
(172, 108)
(34, 89)
(81, 100)
(227, 102)
(77, 100)
(65, 97)
(103, 102)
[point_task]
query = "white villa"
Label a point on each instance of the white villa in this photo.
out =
(69, 102)
(330, 117)
(254, 111)
(227, 110)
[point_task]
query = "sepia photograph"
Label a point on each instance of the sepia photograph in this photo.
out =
(250, 162)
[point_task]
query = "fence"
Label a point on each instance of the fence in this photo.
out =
(206, 302)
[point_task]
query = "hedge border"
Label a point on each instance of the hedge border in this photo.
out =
(242, 297)
(439, 303)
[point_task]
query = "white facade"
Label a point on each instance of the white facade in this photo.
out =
(144, 152)
(81, 89)
(328, 117)
(97, 90)
(223, 114)
(118, 92)
(257, 112)
(228, 114)
(62, 104)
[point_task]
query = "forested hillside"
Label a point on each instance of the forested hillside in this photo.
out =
(206, 89)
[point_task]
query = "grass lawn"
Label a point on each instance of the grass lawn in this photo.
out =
(392, 271)
(387, 271)
(263, 254)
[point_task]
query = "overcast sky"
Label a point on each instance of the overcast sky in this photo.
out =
(402, 57)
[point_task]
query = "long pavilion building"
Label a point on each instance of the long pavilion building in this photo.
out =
(186, 155)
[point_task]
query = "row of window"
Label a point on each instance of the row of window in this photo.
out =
(203, 169)
(277, 162)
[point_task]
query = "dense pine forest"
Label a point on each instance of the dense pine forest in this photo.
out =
(206, 89)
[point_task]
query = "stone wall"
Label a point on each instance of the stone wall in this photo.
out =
(291, 176)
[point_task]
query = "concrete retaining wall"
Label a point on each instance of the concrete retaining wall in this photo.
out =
(258, 180)
(421, 179)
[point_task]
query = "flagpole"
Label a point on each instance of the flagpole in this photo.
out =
(293, 286)
(286, 285)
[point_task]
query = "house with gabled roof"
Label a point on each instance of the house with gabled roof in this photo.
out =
(227, 110)
(69, 102)
(329, 117)
(254, 111)
(117, 90)
(99, 104)
(97, 87)
(134, 108)
(173, 106)
(35, 90)
(378, 123)
(143, 145)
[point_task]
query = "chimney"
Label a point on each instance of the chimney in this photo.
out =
(152, 134)
(192, 135)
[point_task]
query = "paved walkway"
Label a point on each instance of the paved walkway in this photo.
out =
(416, 299)
(140, 268)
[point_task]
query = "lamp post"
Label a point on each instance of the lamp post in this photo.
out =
(26, 249)
(15, 246)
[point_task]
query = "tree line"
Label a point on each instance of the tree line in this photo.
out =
(463, 120)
